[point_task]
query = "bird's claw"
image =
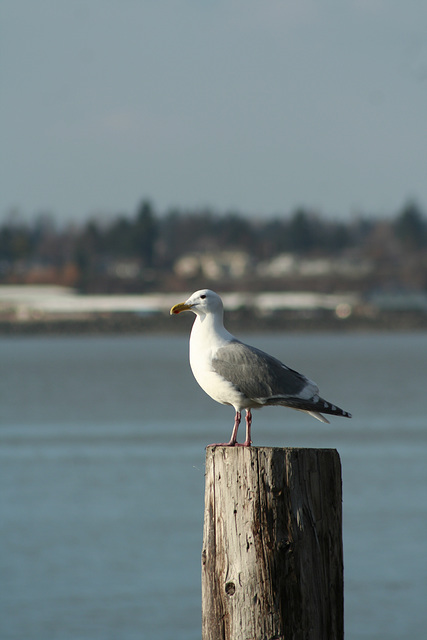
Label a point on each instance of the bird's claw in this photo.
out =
(230, 444)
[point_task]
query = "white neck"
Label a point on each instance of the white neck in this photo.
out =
(208, 334)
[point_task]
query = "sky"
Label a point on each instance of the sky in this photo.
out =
(251, 106)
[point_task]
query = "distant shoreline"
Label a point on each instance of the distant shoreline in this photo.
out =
(236, 321)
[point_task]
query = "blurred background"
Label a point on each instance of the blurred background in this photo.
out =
(274, 152)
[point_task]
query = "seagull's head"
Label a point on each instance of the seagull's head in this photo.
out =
(201, 303)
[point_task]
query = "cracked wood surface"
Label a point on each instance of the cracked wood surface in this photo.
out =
(272, 566)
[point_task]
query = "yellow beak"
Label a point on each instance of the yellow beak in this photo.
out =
(177, 308)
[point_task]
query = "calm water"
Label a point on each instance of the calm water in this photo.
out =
(102, 481)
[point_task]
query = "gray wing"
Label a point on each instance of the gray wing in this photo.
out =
(261, 377)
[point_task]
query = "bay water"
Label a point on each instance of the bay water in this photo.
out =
(102, 480)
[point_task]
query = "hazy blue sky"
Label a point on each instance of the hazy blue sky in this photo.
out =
(257, 106)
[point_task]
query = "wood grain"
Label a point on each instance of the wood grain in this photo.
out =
(272, 564)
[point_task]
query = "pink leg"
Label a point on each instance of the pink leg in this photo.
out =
(248, 440)
(233, 438)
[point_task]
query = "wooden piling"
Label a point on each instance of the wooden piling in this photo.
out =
(272, 564)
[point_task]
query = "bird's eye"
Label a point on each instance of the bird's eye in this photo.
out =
(203, 297)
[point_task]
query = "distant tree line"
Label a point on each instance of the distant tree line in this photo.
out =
(156, 241)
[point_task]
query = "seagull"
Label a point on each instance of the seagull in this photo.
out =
(234, 373)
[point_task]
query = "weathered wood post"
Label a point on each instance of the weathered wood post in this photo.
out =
(272, 564)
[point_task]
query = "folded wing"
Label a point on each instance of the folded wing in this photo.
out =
(267, 381)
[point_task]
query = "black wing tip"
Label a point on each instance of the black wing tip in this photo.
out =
(320, 406)
(332, 409)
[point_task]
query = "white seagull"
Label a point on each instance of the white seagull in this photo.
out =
(234, 373)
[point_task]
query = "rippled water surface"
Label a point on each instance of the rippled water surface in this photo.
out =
(102, 480)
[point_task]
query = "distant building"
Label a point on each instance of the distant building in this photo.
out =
(288, 264)
(214, 265)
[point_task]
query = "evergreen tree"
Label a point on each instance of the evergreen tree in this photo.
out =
(145, 232)
(410, 227)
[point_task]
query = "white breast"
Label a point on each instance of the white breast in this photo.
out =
(204, 343)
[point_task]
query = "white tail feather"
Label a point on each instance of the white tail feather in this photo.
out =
(318, 416)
